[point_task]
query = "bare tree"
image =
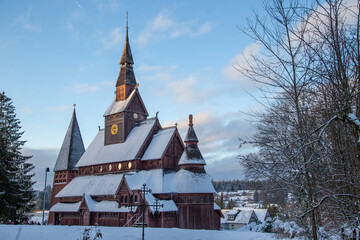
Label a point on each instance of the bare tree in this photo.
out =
(308, 133)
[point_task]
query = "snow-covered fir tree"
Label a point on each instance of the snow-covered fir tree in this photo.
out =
(16, 193)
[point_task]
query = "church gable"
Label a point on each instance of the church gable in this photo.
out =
(136, 104)
(123, 187)
(173, 151)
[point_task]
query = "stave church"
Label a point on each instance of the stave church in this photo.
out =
(105, 184)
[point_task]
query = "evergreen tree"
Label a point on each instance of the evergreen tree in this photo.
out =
(230, 204)
(16, 193)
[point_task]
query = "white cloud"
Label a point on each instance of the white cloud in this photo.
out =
(244, 58)
(218, 134)
(162, 26)
(186, 90)
(24, 20)
(113, 38)
(89, 88)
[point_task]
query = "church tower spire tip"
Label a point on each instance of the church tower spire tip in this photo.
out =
(126, 80)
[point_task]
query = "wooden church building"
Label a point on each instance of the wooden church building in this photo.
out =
(103, 184)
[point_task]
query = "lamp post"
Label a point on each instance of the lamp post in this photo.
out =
(46, 171)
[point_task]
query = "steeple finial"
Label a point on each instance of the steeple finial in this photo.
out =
(191, 135)
(127, 20)
(191, 120)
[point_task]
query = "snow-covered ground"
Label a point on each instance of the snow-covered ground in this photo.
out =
(33, 232)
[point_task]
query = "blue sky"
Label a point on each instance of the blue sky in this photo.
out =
(57, 53)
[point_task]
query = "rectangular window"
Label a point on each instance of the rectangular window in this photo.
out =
(193, 200)
(186, 199)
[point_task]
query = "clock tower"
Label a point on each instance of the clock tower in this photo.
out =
(127, 108)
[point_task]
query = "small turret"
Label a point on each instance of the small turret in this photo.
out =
(192, 157)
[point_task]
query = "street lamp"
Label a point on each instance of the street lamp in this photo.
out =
(46, 171)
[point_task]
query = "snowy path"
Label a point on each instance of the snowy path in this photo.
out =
(9, 232)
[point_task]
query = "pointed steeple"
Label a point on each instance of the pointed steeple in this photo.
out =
(191, 135)
(126, 56)
(72, 148)
(126, 80)
(192, 155)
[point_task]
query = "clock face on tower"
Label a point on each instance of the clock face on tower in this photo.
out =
(114, 129)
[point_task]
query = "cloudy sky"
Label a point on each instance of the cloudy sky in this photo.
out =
(57, 53)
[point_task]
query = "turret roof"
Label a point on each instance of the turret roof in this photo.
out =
(72, 148)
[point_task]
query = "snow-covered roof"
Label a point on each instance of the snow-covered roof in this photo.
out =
(232, 212)
(184, 181)
(97, 153)
(105, 206)
(186, 159)
(168, 205)
(119, 106)
(158, 144)
(65, 207)
(261, 214)
(92, 184)
(242, 217)
(152, 179)
(191, 135)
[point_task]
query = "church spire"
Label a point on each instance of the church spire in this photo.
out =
(72, 147)
(126, 56)
(126, 80)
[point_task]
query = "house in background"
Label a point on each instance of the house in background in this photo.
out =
(239, 217)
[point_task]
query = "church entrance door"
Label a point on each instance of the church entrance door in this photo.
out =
(85, 218)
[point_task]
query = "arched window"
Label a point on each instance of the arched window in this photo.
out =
(121, 199)
(136, 198)
(126, 199)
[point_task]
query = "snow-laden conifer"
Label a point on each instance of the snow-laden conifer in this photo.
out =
(16, 191)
